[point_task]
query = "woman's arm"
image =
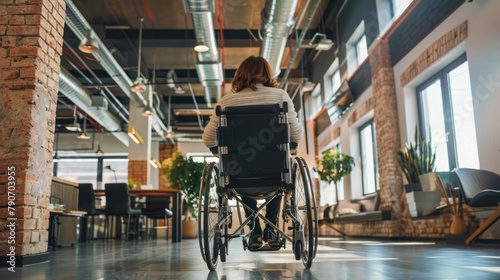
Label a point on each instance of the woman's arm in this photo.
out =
(295, 127)
(210, 132)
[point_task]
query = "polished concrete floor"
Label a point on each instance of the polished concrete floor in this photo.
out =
(336, 259)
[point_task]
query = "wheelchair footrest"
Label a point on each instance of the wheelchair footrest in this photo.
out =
(265, 247)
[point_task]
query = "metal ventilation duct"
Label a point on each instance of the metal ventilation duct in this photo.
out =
(73, 89)
(79, 25)
(277, 21)
(208, 65)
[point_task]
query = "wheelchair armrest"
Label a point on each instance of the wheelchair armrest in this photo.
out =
(214, 150)
(293, 148)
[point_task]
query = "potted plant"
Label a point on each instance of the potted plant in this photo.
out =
(416, 159)
(332, 166)
(185, 174)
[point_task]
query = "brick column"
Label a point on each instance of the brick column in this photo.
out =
(31, 46)
(387, 132)
(166, 151)
(139, 168)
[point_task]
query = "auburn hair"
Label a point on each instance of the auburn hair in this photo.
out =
(253, 70)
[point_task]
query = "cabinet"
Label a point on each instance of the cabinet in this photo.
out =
(68, 192)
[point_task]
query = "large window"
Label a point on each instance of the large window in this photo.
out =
(446, 110)
(398, 6)
(78, 170)
(357, 49)
(388, 11)
(361, 50)
(117, 172)
(92, 170)
(368, 157)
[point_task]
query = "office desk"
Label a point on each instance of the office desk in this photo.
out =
(177, 206)
(54, 223)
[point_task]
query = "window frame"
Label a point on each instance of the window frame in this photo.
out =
(371, 124)
(442, 75)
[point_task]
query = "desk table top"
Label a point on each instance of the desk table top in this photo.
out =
(139, 192)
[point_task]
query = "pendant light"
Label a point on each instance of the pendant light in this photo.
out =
(148, 110)
(84, 135)
(139, 86)
(89, 44)
(99, 152)
(132, 133)
(75, 126)
(169, 134)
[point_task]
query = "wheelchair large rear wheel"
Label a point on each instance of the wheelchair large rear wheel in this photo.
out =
(208, 216)
(305, 211)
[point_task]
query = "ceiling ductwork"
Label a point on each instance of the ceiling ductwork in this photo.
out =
(277, 24)
(208, 65)
(81, 97)
(79, 25)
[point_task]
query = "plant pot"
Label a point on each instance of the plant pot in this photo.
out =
(189, 228)
(428, 181)
(457, 225)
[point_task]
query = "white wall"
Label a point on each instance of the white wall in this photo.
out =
(482, 47)
(192, 147)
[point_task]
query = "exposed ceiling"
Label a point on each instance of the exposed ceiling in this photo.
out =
(168, 38)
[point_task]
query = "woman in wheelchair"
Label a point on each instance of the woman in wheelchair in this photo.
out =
(253, 84)
(252, 131)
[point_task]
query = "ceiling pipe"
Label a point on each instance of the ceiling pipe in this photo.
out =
(208, 64)
(80, 96)
(277, 21)
(302, 35)
(79, 25)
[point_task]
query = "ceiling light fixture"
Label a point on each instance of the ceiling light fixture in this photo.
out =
(135, 136)
(154, 162)
(148, 110)
(179, 90)
(201, 48)
(89, 44)
(99, 152)
(324, 44)
(74, 126)
(84, 135)
(170, 134)
(139, 86)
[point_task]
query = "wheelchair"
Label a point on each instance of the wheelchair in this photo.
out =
(255, 161)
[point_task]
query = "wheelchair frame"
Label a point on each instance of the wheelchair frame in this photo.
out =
(298, 207)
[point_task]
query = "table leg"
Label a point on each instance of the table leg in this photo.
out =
(176, 219)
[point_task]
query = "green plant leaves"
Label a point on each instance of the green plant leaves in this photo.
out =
(185, 174)
(417, 158)
(333, 165)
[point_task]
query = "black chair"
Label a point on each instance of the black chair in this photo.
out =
(480, 188)
(86, 202)
(118, 205)
(156, 209)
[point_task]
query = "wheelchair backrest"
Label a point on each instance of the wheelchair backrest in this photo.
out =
(253, 143)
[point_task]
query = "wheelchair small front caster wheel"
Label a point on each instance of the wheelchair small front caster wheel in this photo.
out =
(297, 250)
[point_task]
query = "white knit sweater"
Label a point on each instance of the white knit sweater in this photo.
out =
(263, 95)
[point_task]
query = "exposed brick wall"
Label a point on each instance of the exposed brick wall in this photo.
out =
(31, 46)
(138, 171)
(435, 51)
(361, 110)
(431, 227)
(387, 136)
(166, 151)
(327, 136)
